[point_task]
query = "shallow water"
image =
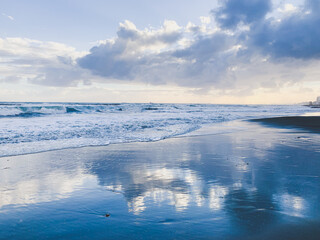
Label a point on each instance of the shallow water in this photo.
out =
(243, 181)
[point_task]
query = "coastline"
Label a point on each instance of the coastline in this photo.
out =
(38, 127)
(301, 122)
(244, 181)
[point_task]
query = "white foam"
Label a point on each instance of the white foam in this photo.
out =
(133, 123)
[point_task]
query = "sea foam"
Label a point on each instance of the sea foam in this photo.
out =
(36, 127)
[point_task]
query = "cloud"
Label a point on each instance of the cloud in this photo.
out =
(295, 36)
(121, 57)
(59, 75)
(287, 8)
(8, 16)
(169, 55)
(205, 61)
(44, 63)
(244, 45)
(196, 56)
(234, 12)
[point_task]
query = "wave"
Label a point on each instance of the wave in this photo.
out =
(10, 110)
(24, 115)
(65, 125)
(71, 110)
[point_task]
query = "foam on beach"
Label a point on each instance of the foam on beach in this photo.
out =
(37, 127)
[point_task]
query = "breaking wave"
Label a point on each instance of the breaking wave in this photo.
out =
(35, 127)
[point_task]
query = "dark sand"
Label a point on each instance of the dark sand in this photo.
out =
(305, 122)
(242, 181)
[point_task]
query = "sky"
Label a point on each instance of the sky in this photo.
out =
(178, 51)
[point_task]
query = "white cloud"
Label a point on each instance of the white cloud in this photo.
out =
(205, 20)
(8, 16)
(287, 8)
(45, 63)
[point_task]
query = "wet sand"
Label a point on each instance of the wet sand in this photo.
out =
(306, 122)
(238, 180)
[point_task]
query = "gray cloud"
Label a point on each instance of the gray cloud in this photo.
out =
(296, 36)
(105, 60)
(59, 75)
(206, 61)
(205, 48)
(233, 12)
(123, 57)
(157, 57)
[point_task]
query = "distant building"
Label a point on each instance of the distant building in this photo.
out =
(315, 104)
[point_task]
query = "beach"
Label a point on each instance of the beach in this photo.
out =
(245, 181)
(161, 120)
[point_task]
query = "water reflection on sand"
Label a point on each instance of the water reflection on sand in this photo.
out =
(226, 185)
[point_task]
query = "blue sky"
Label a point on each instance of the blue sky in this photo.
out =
(80, 23)
(227, 51)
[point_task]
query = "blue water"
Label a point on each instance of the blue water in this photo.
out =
(36, 127)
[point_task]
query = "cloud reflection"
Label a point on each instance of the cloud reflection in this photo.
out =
(291, 205)
(248, 183)
(24, 182)
(47, 189)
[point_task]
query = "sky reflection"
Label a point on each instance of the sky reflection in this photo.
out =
(244, 182)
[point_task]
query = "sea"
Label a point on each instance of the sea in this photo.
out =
(31, 127)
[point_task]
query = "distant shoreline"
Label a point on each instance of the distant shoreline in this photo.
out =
(305, 122)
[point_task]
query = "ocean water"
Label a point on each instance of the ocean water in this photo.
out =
(36, 127)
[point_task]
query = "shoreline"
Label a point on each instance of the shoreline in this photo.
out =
(310, 123)
(185, 135)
